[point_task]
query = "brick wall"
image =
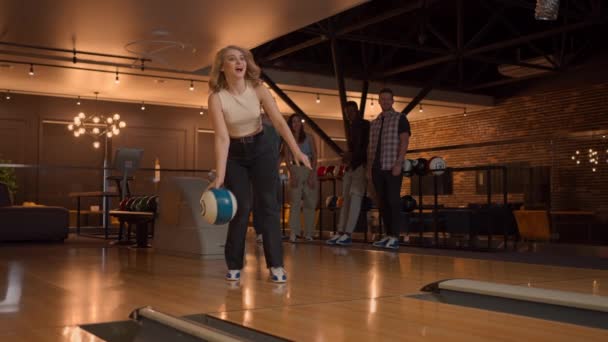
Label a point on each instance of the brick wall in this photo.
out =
(542, 128)
(545, 130)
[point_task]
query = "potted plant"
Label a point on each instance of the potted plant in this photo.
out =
(8, 177)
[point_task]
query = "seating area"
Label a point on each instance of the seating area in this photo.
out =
(31, 223)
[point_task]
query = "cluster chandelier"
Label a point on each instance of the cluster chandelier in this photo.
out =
(593, 157)
(96, 125)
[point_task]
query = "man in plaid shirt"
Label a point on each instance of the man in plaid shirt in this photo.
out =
(388, 141)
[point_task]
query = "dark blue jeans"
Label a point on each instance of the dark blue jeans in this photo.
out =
(276, 141)
(388, 190)
(252, 165)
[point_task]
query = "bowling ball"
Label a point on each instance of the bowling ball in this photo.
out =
(408, 203)
(437, 166)
(218, 206)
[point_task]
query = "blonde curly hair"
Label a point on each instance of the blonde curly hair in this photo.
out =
(217, 79)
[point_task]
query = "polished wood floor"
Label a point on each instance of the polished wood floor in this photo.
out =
(333, 294)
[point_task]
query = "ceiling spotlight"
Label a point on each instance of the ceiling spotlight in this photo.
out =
(546, 9)
(201, 112)
(31, 73)
(8, 95)
(116, 80)
(421, 110)
(191, 85)
(318, 99)
(143, 106)
(78, 101)
(372, 104)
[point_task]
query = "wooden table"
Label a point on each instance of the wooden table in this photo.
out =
(105, 196)
(141, 219)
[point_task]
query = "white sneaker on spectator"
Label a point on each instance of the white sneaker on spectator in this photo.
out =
(333, 239)
(382, 242)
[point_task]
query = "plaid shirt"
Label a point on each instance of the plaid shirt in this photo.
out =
(390, 139)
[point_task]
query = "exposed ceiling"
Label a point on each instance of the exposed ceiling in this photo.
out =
(484, 43)
(176, 40)
(398, 43)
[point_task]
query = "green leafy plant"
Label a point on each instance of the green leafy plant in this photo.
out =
(8, 176)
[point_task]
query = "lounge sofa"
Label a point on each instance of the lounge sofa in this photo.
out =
(35, 223)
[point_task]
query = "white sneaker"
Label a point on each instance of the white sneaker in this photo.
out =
(392, 243)
(333, 239)
(344, 240)
(259, 239)
(382, 242)
(233, 275)
(278, 274)
(308, 238)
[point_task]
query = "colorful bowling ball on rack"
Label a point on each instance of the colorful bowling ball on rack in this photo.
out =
(152, 203)
(437, 166)
(218, 206)
(141, 205)
(340, 202)
(123, 204)
(321, 171)
(408, 203)
(342, 170)
(408, 167)
(129, 203)
(331, 202)
(420, 167)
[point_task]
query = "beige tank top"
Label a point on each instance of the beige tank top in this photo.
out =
(241, 112)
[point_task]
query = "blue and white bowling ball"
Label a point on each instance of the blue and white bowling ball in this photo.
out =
(218, 206)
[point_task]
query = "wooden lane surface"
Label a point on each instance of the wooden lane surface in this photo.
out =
(59, 286)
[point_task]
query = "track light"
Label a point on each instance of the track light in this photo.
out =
(546, 9)
(143, 105)
(78, 101)
(8, 95)
(318, 99)
(31, 73)
(421, 110)
(116, 80)
(201, 112)
(465, 111)
(191, 85)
